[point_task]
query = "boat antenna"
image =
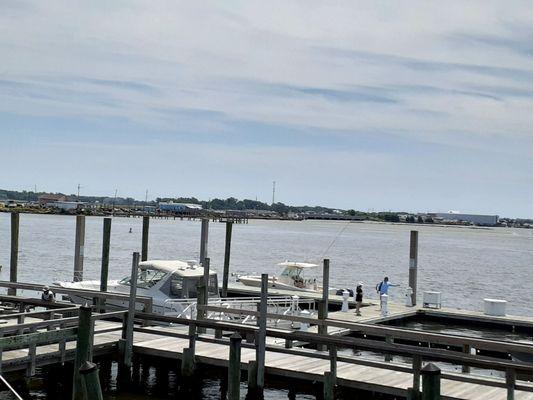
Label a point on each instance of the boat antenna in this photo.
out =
(335, 239)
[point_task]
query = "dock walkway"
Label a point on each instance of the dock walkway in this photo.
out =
(309, 368)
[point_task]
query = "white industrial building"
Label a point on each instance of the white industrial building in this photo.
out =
(476, 219)
(179, 207)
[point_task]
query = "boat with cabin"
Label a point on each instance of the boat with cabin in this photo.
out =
(165, 281)
(292, 277)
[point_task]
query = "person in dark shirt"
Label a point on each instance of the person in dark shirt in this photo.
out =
(48, 295)
(358, 298)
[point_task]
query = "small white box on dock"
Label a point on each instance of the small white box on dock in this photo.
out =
(495, 307)
(431, 299)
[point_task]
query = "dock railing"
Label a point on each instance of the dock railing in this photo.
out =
(92, 296)
(418, 354)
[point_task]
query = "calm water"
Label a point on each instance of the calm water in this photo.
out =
(466, 265)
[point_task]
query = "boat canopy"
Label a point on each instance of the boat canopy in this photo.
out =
(186, 269)
(298, 265)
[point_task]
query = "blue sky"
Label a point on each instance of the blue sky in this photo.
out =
(414, 105)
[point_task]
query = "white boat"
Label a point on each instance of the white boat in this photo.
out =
(163, 280)
(292, 277)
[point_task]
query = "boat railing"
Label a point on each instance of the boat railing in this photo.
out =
(288, 305)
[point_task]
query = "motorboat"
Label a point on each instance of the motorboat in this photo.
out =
(165, 281)
(292, 277)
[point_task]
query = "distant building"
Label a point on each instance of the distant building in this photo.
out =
(477, 219)
(50, 198)
(179, 207)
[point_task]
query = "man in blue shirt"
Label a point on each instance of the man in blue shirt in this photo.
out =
(383, 288)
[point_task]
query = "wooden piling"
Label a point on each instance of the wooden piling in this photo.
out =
(203, 294)
(333, 362)
(322, 315)
(390, 340)
(225, 276)
(188, 362)
(104, 271)
(465, 368)
(431, 382)
(234, 367)
(510, 380)
(324, 304)
(413, 265)
(417, 366)
(329, 386)
(13, 262)
(91, 381)
(252, 379)
(79, 248)
(260, 345)
(127, 333)
(146, 228)
(204, 236)
(83, 350)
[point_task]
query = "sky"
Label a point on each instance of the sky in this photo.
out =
(414, 106)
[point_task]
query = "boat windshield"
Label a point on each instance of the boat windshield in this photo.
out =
(291, 272)
(146, 278)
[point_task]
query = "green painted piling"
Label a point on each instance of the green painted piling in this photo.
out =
(413, 264)
(13, 262)
(225, 276)
(431, 382)
(146, 228)
(104, 271)
(83, 350)
(329, 386)
(234, 367)
(91, 381)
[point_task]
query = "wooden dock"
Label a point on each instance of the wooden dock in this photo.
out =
(48, 341)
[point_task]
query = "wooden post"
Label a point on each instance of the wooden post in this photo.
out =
(206, 265)
(188, 362)
(466, 349)
(91, 381)
(390, 340)
(431, 382)
(146, 227)
(104, 271)
(417, 366)
(79, 248)
(225, 276)
(234, 369)
(413, 264)
(261, 336)
(333, 362)
(127, 334)
(83, 350)
(322, 329)
(329, 386)
(252, 379)
(202, 298)
(510, 380)
(204, 235)
(13, 262)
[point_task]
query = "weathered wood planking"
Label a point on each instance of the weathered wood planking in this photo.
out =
(307, 368)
